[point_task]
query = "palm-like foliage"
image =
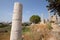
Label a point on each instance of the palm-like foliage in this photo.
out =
(54, 6)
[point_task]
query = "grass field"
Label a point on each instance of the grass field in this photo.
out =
(5, 36)
(5, 33)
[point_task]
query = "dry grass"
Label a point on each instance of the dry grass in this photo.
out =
(38, 31)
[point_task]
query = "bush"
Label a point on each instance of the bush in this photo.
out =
(49, 26)
(25, 29)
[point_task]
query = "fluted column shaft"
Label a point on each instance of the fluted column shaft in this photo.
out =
(16, 22)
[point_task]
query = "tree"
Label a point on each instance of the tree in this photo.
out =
(54, 6)
(35, 19)
(2, 25)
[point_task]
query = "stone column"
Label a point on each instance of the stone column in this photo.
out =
(42, 19)
(16, 30)
(49, 16)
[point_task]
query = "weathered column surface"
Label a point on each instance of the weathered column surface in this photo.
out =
(49, 16)
(42, 19)
(16, 22)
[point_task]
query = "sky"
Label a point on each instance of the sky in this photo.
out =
(30, 7)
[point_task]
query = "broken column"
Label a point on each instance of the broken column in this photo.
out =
(42, 19)
(49, 16)
(16, 30)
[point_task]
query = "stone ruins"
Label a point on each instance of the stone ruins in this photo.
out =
(16, 22)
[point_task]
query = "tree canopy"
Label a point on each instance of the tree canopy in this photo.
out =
(35, 19)
(54, 6)
(2, 25)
